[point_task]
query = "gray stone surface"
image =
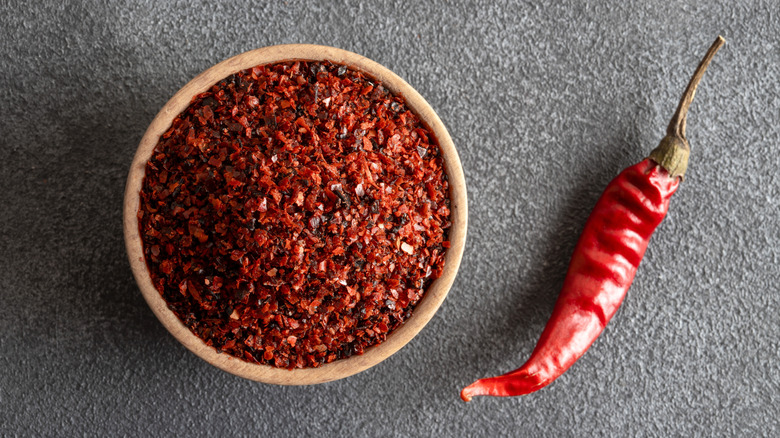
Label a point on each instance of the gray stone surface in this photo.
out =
(545, 104)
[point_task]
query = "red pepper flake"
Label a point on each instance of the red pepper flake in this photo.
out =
(303, 211)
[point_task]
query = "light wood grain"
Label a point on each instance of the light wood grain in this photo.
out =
(433, 297)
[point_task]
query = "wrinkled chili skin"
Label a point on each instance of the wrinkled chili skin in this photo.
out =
(294, 214)
(601, 270)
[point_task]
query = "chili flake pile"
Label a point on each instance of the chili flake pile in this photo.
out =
(294, 214)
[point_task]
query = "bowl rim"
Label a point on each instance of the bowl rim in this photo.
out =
(434, 295)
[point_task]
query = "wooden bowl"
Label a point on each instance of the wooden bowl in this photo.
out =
(425, 308)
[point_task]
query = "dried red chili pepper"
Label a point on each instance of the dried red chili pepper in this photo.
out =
(294, 214)
(605, 259)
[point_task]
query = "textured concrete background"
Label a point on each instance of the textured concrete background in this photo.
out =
(545, 104)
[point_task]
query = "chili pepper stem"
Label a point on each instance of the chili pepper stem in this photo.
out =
(673, 151)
